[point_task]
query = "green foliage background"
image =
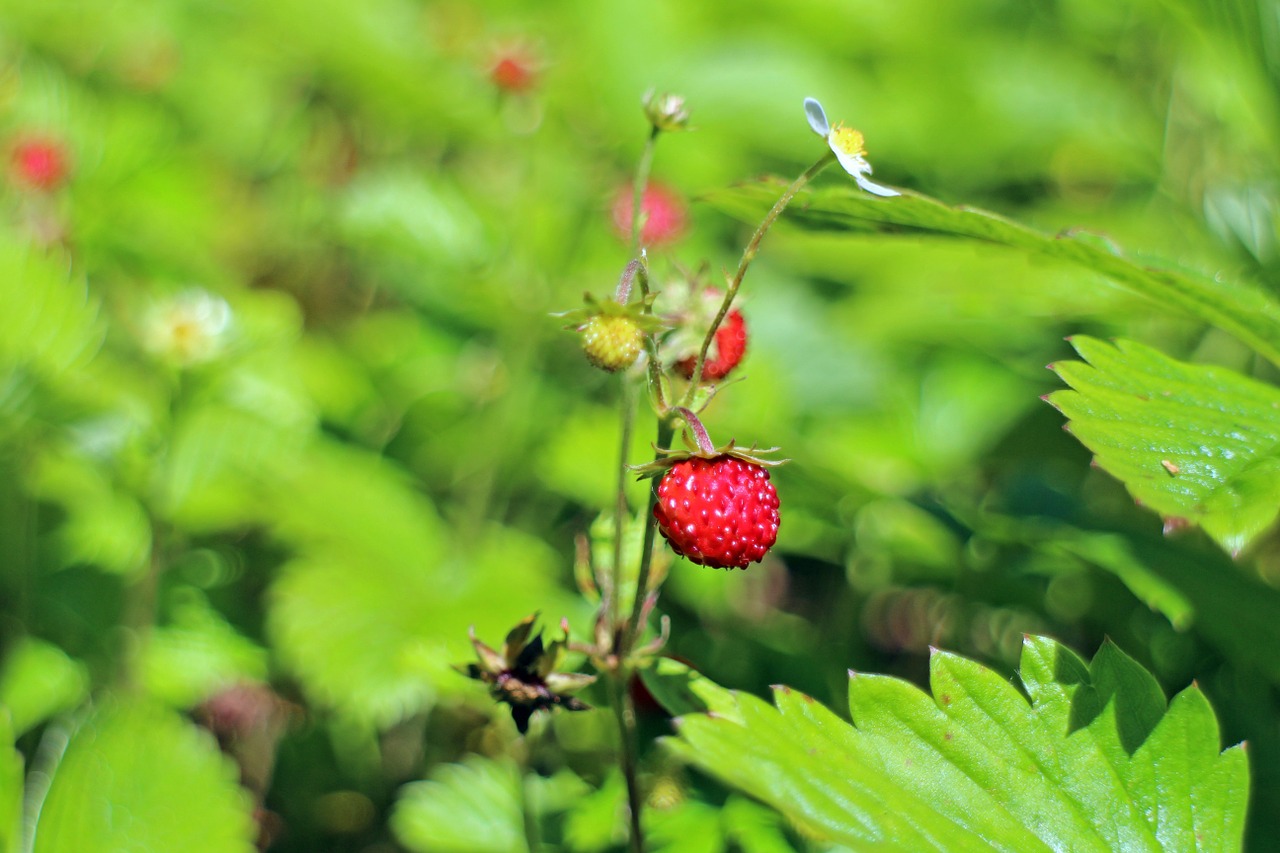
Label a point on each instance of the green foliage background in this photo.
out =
(395, 441)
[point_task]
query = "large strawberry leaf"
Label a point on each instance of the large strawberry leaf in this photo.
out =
(1193, 442)
(137, 777)
(1246, 311)
(473, 807)
(1094, 761)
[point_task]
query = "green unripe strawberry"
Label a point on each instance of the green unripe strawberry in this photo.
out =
(612, 342)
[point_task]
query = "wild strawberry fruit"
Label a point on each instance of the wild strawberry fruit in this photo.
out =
(513, 70)
(720, 512)
(39, 163)
(612, 343)
(613, 332)
(663, 214)
(727, 349)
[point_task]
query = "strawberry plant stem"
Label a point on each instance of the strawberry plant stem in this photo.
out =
(641, 184)
(748, 255)
(622, 509)
(700, 436)
(634, 628)
(626, 717)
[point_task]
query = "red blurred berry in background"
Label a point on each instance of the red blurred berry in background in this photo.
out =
(664, 214)
(727, 349)
(39, 163)
(514, 70)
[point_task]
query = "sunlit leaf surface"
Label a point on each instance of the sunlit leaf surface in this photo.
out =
(137, 777)
(1195, 443)
(1246, 311)
(1095, 760)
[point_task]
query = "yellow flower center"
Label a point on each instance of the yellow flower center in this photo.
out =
(848, 140)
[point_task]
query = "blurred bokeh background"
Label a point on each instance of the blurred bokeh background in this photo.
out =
(278, 374)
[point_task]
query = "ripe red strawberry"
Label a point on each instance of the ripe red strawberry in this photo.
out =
(727, 349)
(720, 512)
(39, 163)
(612, 342)
(663, 211)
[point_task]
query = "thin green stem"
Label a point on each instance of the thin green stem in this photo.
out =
(528, 794)
(748, 255)
(634, 628)
(625, 714)
(622, 509)
(641, 184)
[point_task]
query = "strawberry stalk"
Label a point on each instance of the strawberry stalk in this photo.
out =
(623, 294)
(700, 436)
(748, 255)
(641, 183)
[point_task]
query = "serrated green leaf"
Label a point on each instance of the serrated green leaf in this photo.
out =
(473, 807)
(137, 777)
(39, 680)
(1093, 762)
(1192, 442)
(1244, 310)
(682, 690)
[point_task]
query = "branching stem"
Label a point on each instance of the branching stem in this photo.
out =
(748, 255)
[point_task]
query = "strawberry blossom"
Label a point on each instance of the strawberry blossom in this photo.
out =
(847, 144)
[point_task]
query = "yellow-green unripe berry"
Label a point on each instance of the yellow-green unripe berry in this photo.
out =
(612, 343)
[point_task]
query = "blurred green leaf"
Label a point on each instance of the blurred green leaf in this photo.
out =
(376, 606)
(1247, 311)
(39, 680)
(10, 790)
(197, 652)
(753, 827)
(1094, 762)
(689, 827)
(49, 323)
(105, 526)
(137, 777)
(473, 807)
(1194, 443)
(598, 820)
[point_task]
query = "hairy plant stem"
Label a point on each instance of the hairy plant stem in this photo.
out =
(622, 508)
(623, 633)
(641, 184)
(634, 628)
(625, 714)
(528, 795)
(748, 255)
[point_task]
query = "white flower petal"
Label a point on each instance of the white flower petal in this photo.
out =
(854, 164)
(817, 117)
(874, 188)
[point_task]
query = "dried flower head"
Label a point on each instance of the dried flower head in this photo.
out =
(523, 675)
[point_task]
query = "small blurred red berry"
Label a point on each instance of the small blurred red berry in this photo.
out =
(39, 163)
(727, 349)
(664, 215)
(513, 70)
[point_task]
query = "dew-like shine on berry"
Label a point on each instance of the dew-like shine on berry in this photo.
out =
(720, 512)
